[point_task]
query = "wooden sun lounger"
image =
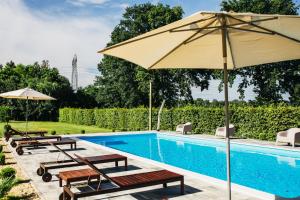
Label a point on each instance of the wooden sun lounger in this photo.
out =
(118, 183)
(36, 144)
(14, 141)
(13, 131)
(44, 168)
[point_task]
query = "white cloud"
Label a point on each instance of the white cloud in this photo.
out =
(86, 2)
(27, 36)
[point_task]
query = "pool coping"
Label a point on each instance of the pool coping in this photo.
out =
(218, 182)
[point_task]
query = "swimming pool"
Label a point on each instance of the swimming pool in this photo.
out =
(270, 170)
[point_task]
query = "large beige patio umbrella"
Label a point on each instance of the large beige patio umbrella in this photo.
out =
(26, 94)
(215, 40)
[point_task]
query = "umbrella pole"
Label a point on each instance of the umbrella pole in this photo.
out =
(224, 50)
(150, 105)
(26, 116)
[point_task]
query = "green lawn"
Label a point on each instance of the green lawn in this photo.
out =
(60, 128)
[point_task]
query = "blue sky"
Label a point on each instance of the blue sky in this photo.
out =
(34, 30)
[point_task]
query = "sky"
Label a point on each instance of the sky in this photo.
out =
(54, 30)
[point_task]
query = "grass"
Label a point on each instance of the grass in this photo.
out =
(59, 127)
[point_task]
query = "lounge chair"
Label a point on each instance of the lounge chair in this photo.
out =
(221, 131)
(35, 144)
(11, 131)
(290, 136)
(14, 140)
(44, 168)
(118, 183)
(184, 128)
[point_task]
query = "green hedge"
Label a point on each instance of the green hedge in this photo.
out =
(251, 122)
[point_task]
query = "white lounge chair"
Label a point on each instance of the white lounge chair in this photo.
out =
(184, 128)
(221, 131)
(290, 136)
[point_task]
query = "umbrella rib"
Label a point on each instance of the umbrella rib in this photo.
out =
(255, 31)
(191, 40)
(231, 49)
(180, 44)
(137, 39)
(241, 23)
(266, 29)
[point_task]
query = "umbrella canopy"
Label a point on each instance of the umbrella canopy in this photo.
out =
(215, 40)
(26, 93)
(196, 42)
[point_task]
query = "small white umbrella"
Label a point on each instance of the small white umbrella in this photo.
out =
(26, 94)
(215, 40)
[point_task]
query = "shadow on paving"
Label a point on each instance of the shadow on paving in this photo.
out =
(78, 149)
(282, 198)
(156, 194)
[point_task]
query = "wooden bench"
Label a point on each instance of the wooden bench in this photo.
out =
(77, 175)
(36, 144)
(14, 141)
(121, 183)
(44, 168)
(13, 131)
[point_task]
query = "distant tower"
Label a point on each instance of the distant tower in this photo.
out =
(74, 79)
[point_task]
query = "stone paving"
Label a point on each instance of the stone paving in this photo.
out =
(195, 188)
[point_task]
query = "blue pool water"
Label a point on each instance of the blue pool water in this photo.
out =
(267, 169)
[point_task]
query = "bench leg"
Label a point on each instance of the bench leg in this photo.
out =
(165, 185)
(126, 165)
(182, 186)
(60, 182)
(116, 164)
(75, 145)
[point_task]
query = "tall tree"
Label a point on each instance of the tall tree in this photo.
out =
(124, 84)
(42, 78)
(270, 81)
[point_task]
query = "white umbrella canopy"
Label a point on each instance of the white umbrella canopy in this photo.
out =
(215, 40)
(196, 42)
(26, 93)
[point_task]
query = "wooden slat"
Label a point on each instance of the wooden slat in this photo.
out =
(145, 178)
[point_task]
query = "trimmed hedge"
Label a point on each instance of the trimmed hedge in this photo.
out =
(251, 122)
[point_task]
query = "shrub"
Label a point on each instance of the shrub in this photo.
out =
(1, 148)
(53, 132)
(258, 122)
(82, 131)
(2, 158)
(5, 185)
(8, 172)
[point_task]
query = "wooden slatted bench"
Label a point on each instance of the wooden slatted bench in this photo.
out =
(85, 174)
(14, 141)
(36, 144)
(77, 175)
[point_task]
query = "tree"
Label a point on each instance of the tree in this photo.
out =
(270, 81)
(42, 78)
(124, 84)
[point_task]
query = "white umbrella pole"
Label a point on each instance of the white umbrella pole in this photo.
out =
(26, 116)
(150, 105)
(224, 50)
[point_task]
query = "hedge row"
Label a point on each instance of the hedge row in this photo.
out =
(251, 122)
